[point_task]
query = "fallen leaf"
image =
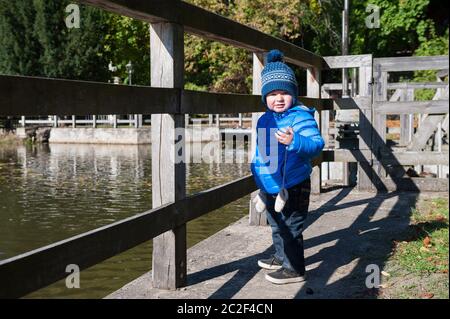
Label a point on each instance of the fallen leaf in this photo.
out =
(386, 274)
(427, 295)
(426, 241)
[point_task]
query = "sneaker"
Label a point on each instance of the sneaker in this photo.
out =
(284, 276)
(271, 263)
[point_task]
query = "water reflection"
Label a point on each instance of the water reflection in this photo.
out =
(51, 192)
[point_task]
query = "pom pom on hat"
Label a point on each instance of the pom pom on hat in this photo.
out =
(274, 56)
(277, 75)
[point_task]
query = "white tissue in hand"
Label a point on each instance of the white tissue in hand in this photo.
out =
(281, 200)
(260, 202)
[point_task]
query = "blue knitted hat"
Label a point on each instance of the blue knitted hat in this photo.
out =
(276, 75)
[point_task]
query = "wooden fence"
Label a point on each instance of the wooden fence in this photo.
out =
(168, 102)
(134, 120)
(431, 114)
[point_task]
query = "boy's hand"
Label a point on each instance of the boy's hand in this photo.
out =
(285, 138)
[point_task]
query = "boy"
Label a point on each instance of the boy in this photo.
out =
(289, 130)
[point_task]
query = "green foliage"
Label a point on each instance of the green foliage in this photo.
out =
(19, 49)
(217, 67)
(128, 40)
(223, 68)
(436, 45)
(401, 23)
(70, 53)
(36, 41)
(405, 29)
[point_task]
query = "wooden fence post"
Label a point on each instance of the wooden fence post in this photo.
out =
(379, 121)
(325, 131)
(255, 218)
(168, 177)
(404, 123)
(313, 90)
(410, 97)
(114, 120)
(365, 169)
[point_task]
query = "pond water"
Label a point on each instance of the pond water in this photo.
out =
(52, 192)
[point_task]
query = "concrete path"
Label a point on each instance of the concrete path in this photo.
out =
(347, 231)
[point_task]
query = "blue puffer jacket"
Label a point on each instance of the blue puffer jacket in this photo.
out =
(268, 161)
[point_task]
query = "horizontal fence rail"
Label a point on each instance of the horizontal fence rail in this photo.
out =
(423, 107)
(195, 102)
(348, 61)
(134, 120)
(414, 63)
(24, 95)
(396, 158)
(413, 184)
(33, 96)
(56, 121)
(416, 85)
(36, 269)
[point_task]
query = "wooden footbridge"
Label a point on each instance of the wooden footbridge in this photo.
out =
(168, 102)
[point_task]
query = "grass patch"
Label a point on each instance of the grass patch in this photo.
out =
(418, 265)
(425, 249)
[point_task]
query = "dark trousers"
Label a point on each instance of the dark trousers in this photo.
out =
(287, 226)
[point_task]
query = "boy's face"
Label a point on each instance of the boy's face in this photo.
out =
(278, 101)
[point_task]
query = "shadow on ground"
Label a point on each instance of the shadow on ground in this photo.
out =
(341, 254)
